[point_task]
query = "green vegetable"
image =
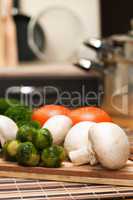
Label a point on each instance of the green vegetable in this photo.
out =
(43, 139)
(35, 124)
(52, 156)
(10, 150)
(27, 154)
(20, 114)
(5, 104)
(26, 133)
(60, 152)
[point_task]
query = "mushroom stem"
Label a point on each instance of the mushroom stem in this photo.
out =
(92, 155)
(83, 156)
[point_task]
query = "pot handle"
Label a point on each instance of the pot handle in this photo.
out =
(93, 43)
(88, 64)
(99, 45)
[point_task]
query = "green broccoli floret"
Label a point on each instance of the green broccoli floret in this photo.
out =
(5, 104)
(52, 156)
(26, 133)
(27, 154)
(10, 150)
(20, 114)
(42, 139)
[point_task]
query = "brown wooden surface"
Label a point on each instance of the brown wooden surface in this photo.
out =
(70, 173)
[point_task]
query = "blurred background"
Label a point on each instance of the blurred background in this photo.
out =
(82, 46)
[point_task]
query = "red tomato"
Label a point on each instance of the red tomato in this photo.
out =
(89, 114)
(43, 113)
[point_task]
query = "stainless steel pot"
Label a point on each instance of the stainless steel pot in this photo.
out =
(115, 60)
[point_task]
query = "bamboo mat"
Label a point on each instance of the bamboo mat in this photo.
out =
(17, 189)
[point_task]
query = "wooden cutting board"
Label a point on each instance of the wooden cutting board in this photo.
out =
(70, 173)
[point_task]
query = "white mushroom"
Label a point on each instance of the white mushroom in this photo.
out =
(59, 126)
(8, 129)
(110, 144)
(78, 146)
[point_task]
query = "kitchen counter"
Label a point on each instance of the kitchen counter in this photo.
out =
(46, 70)
(26, 189)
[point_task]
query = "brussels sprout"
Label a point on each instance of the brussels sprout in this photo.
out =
(35, 124)
(43, 139)
(26, 133)
(59, 150)
(10, 150)
(52, 156)
(27, 154)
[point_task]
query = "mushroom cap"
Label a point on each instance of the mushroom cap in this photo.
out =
(77, 136)
(8, 129)
(59, 126)
(110, 144)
